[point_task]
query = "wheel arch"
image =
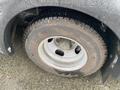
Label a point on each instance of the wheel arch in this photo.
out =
(86, 7)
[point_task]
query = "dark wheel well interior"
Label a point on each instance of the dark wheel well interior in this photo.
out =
(18, 24)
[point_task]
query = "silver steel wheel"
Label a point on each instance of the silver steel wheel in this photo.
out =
(62, 53)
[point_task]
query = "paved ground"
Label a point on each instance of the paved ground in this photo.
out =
(19, 73)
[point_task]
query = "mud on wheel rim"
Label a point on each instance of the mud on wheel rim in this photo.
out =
(62, 53)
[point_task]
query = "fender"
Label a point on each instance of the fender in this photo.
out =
(106, 11)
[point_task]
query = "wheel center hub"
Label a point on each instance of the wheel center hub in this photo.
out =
(64, 44)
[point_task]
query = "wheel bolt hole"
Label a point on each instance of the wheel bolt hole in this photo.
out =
(50, 40)
(77, 50)
(59, 52)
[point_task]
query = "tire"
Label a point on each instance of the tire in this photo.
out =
(82, 34)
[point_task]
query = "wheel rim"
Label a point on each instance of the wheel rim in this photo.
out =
(62, 53)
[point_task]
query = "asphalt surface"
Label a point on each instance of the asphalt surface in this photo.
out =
(17, 72)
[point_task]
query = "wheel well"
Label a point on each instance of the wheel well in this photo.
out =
(18, 24)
